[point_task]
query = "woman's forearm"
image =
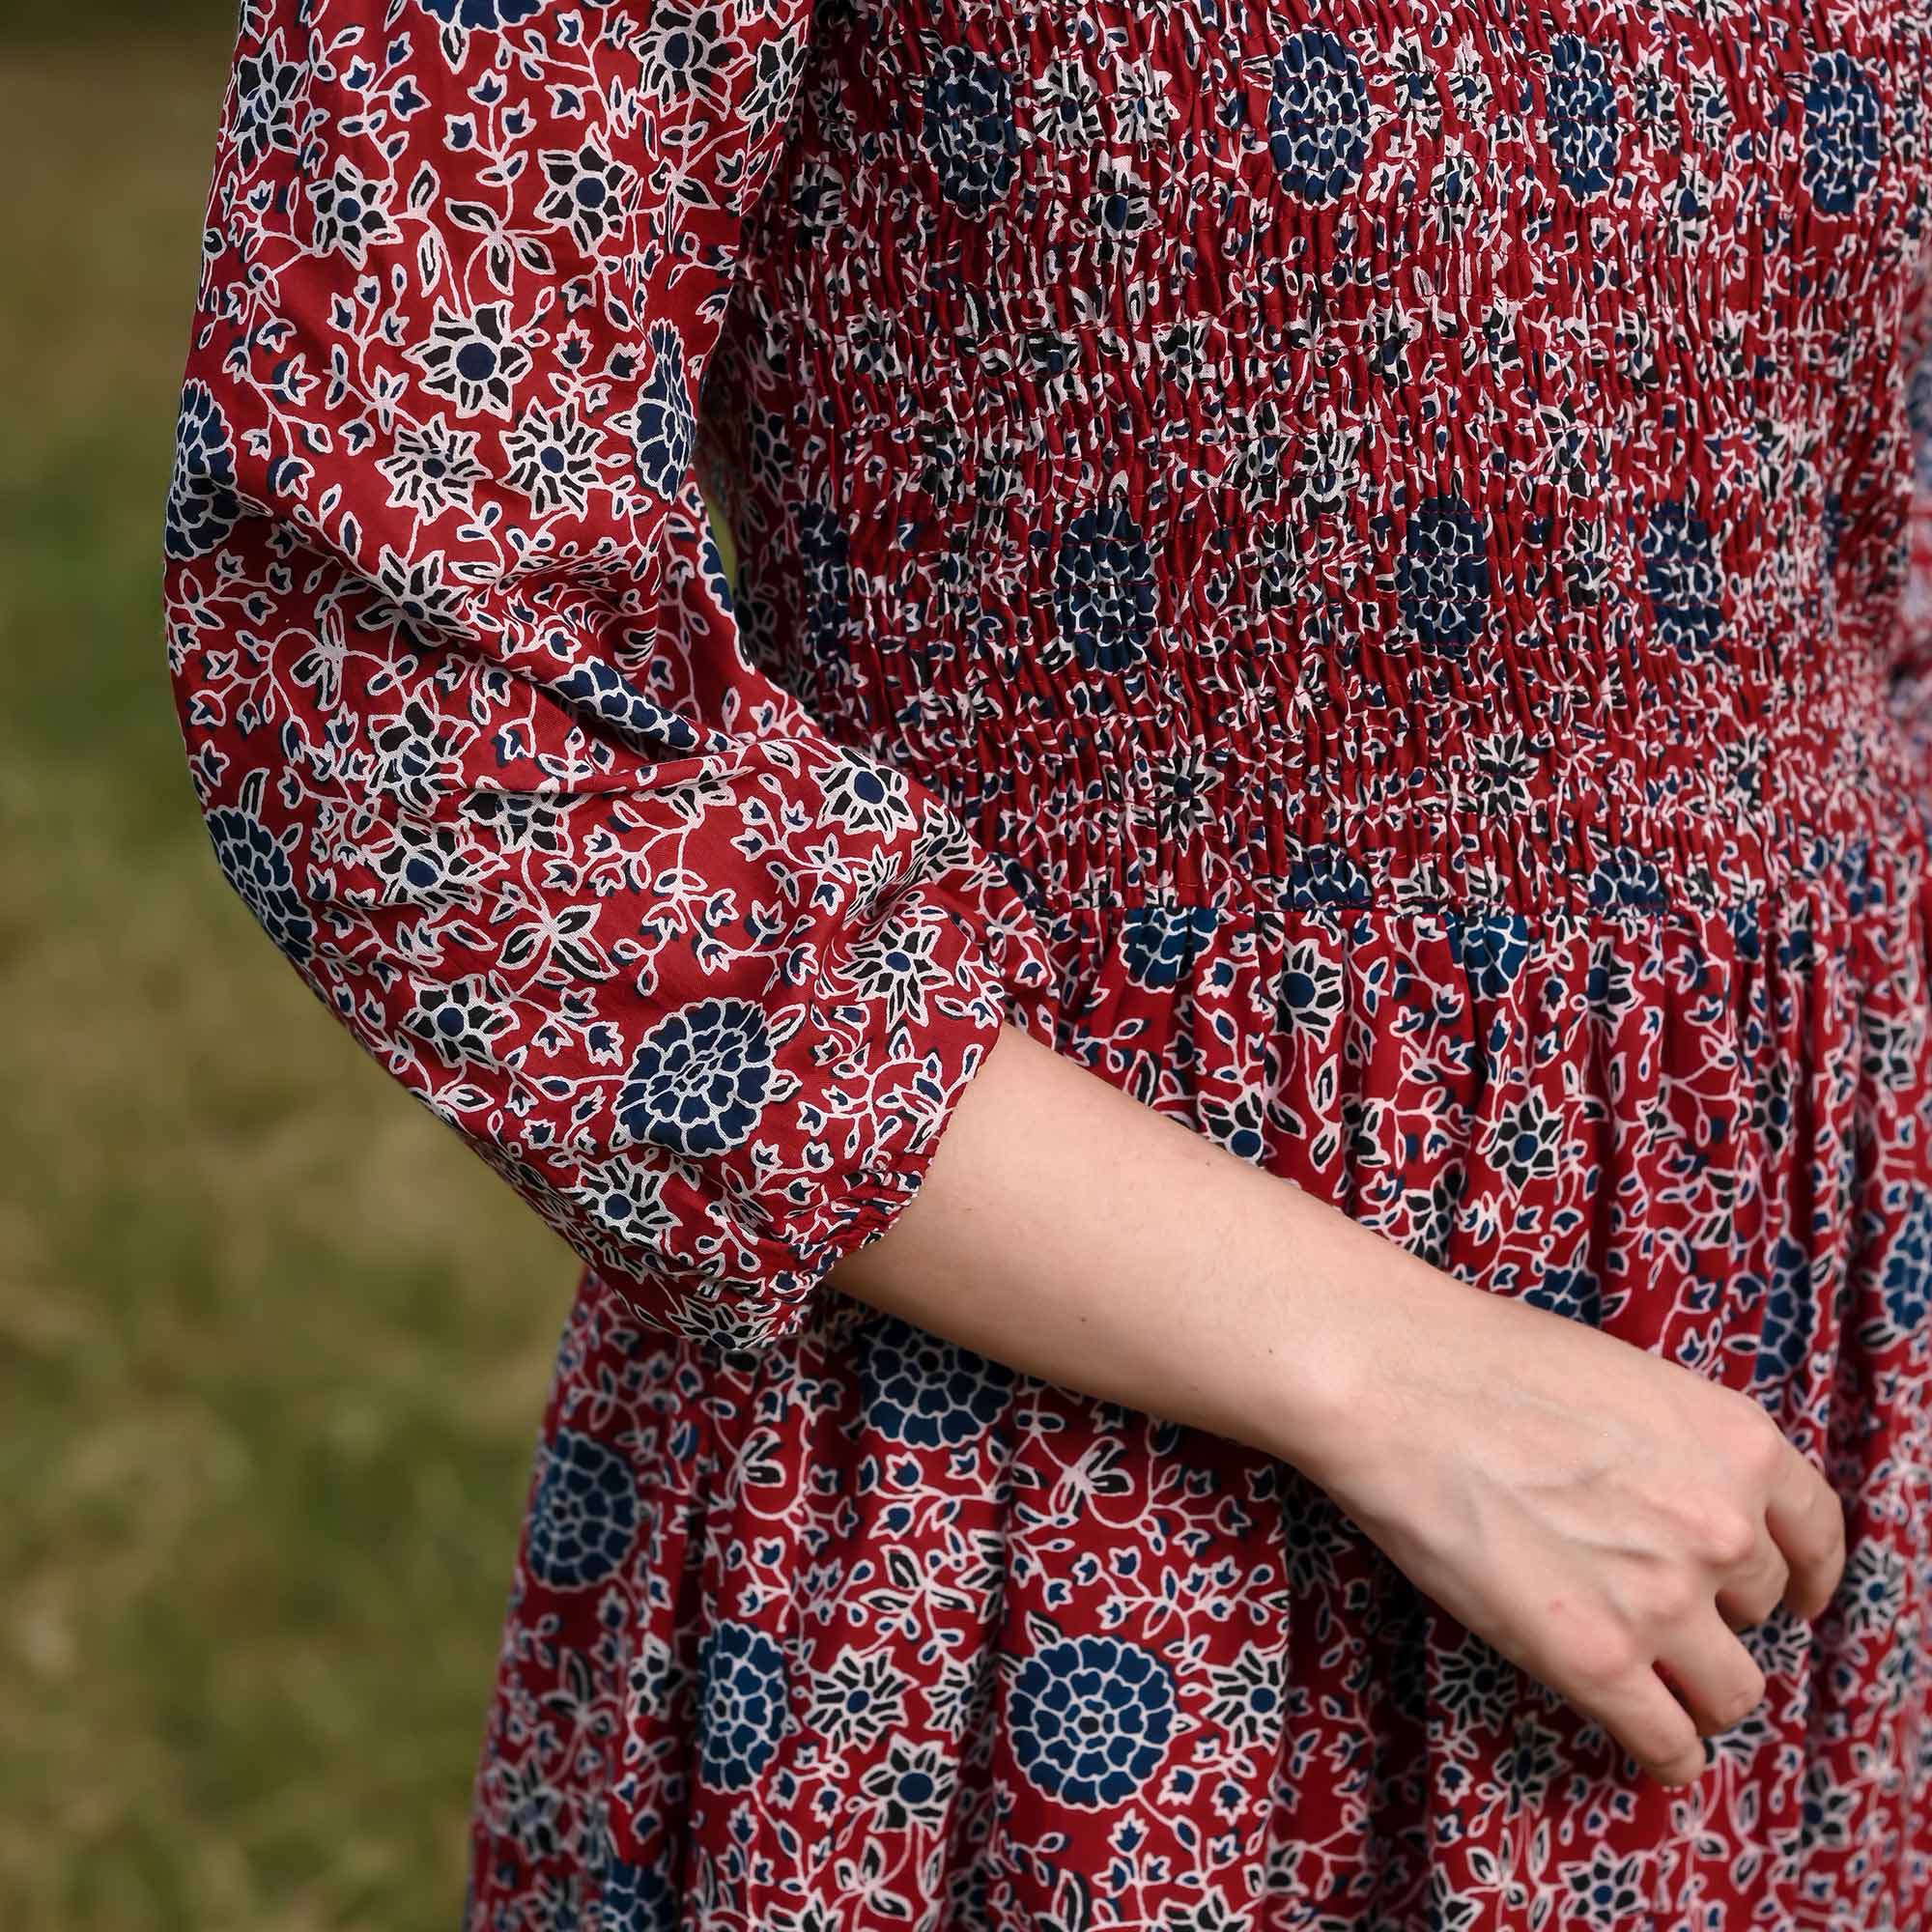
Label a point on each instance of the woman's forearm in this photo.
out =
(1074, 1234)
(1586, 1505)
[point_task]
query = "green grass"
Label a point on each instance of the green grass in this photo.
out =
(273, 1342)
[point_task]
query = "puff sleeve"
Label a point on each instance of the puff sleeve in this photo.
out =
(461, 691)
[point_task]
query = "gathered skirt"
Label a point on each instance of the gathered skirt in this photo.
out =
(868, 1631)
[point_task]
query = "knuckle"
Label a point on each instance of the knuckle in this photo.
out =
(1741, 1701)
(1669, 1598)
(1602, 1658)
(1831, 1511)
(1728, 1538)
(1771, 1448)
(1663, 1746)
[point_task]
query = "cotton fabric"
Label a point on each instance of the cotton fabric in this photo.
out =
(1354, 569)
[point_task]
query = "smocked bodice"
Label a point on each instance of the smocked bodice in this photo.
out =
(1453, 453)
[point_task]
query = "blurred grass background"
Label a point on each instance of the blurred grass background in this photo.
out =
(272, 1344)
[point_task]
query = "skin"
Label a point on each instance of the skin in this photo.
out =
(1607, 1519)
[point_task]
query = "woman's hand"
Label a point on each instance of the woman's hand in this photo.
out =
(1592, 1510)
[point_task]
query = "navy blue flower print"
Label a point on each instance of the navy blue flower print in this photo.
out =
(1492, 948)
(1161, 943)
(1091, 1719)
(1627, 881)
(701, 1077)
(604, 691)
(828, 579)
(1103, 589)
(482, 15)
(638, 1898)
(1576, 1293)
(1842, 132)
(924, 1391)
(1443, 575)
(1907, 1278)
(968, 128)
(1680, 571)
(1234, 554)
(665, 431)
(1318, 115)
(1327, 875)
(1585, 129)
(1788, 1320)
(257, 865)
(741, 1713)
(583, 1519)
(202, 507)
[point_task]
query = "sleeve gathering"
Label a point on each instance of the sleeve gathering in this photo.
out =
(462, 691)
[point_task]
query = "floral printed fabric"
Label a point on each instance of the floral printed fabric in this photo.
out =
(1354, 571)
(460, 677)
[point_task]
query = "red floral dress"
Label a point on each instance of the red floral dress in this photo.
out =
(1351, 569)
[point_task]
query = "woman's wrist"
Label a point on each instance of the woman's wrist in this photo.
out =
(1321, 1285)
(1076, 1235)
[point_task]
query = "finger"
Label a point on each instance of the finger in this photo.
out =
(1650, 1723)
(1806, 1519)
(1751, 1593)
(1716, 1676)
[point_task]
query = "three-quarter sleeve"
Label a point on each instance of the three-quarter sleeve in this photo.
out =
(462, 691)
